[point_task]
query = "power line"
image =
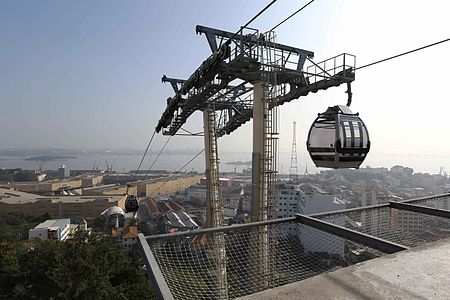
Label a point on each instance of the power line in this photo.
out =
(179, 170)
(156, 158)
(299, 10)
(143, 156)
(404, 53)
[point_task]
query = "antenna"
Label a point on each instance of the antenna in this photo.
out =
(293, 172)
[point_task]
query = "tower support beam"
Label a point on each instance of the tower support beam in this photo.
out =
(259, 184)
(214, 203)
(214, 216)
(259, 204)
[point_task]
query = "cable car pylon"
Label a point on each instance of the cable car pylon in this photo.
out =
(237, 81)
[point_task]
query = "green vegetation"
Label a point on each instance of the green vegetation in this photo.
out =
(100, 224)
(85, 267)
(14, 226)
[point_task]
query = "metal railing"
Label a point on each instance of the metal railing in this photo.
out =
(342, 65)
(183, 266)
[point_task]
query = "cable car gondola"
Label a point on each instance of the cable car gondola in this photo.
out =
(131, 204)
(338, 139)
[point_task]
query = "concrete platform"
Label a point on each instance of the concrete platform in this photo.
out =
(419, 273)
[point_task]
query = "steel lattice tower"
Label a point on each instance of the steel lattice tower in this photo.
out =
(293, 171)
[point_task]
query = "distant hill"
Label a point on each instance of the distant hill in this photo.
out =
(49, 157)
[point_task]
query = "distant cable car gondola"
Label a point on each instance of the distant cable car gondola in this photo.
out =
(131, 204)
(338, 139)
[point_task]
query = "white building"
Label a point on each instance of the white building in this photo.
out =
(129, 237)
(308, 199)
(57, 229)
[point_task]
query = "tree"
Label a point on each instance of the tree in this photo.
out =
(100, 224)
(14, 226)
(85, 267)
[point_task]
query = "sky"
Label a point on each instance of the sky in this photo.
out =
(87, 74)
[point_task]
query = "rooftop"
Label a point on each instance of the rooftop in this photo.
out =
(15, 197)
(130, 232)
(52, 224)
(418, 273)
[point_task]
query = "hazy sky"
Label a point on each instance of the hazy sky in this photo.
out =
(86, 74)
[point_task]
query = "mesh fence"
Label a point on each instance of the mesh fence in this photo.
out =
(441, 202)
(244, 261)
(253, 259)
(403, 227)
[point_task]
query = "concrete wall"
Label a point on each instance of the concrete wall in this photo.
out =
(92, 181)
(142, 189)
(89, 209)
(47, 187)
(118, 190)
(171, 186)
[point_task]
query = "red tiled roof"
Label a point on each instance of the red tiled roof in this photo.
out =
(152, 206)
(163, 207)
(130, 232)
(175, 206)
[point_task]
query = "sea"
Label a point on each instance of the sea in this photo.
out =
(228, 162)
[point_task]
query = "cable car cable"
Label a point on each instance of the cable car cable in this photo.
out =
(299, 10)
(143, 156)
(156, 158)
(179, 170)
(404, 53)
(255, 17)
(251, 20)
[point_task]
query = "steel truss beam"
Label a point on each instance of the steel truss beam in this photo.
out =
(241, 57)
(212, 34)
(420, 209)
(349, 234)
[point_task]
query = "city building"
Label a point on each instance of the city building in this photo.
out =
(196, 195)
(224, 182)
(180, 221)
(55, 229)
(142, 188)
(88, 207)
(116, 216)
(129, 237)
(292, 199)
(91, 180)
(49, 188)
(63, 172)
